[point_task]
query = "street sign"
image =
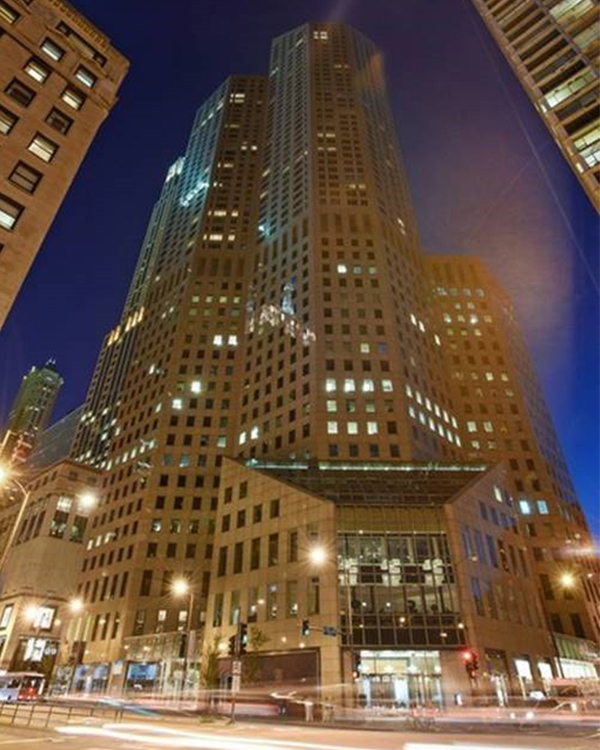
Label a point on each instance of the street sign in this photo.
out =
(236, 667)
(329, 630)
(236, 683)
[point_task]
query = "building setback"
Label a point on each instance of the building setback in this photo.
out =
(552, 47)
(59, 80)
(281, 311)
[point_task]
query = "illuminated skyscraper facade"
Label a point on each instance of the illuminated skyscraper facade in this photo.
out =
(553, 47)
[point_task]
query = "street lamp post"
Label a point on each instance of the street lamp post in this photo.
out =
(181, 587)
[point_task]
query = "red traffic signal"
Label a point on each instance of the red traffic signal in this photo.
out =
(467, 656)
(471, 661)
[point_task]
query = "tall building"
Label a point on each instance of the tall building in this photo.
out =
(501, 404)
(281, 314)
(31, 411)
(59, 80)
(552, 47)
(161, 409)
(55, 443)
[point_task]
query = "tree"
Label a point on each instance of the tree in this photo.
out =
(256, 640)
(210, 671)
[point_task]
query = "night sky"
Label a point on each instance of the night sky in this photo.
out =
(476, 184)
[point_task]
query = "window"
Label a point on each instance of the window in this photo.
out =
(273, 549)
(21, 93)
(59, 524)
(238, 557)
(7, 121)
(59, 121)
(293, 546)
(25, 177)
(222, 569)
(37, 70)
(274, 509)
(313, 596)
(43, 148)
(7, 14)
(257, 514)
(255, 554)
(291, 599)
(86, 77)
(542, 507)
(52, 50)
(73, 98)
(272, 601)
(44, 618)
(6, 615)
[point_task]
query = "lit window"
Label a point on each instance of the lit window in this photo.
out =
(73, 98)
(498, 494)
(43, 148)
(542, 507)
(9, 212)
(195, 386)
(222, 441)
(242, 438)
(368, 386)
(86, 77)
(8, 14)
(349, 385)
(232, 340)
(471, 426)
(330, 385)
(218, 340)
(37, 70)
(408, 390)
(332, 406)
(352, 428)
(6, 614)
(387, 386)
(342, 268)
(372, 428)
(52, 49)
(177, 403)
(525, 507)
(7, 121)
(332, 428)
(365, 348)
(254, 433)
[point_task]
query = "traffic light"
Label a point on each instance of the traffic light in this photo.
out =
(305, 627)
(356, 666)
(243, 633)
(232, 645)
(471, 662)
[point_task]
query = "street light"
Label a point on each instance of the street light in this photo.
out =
(181, 587)
(318, 555)
(76, 605)
(87, 501)
(31, 614)
(567, 580)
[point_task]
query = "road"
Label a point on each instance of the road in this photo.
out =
(146, 735)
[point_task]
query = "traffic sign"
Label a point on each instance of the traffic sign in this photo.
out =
(236, 667)
(236, 683)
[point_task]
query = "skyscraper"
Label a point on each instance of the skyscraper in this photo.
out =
(552, 47)
(60, 77)
(280, 314)
(501, 404)
(32, 409)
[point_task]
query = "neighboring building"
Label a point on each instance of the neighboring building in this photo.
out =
(55, 442)
(553, 46)
(398, 560)
(499, 401)
(31, 411)
(41, 571)
(59, 80)
(280, 311)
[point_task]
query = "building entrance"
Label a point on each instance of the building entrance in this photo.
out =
(400, 679)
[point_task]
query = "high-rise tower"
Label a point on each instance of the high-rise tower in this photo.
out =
(338, 330)
(32, 409)
(552, 47)
(58, 82)
(161, 408)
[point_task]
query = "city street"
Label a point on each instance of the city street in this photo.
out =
(130, 735)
